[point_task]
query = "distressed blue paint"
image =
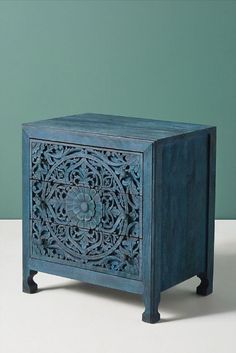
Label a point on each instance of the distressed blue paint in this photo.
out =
(86, 207)
(119, 126)
(184, 214)
(75, 165)
(98, 278)
(152, 233)
(78, 137)
(157, 217)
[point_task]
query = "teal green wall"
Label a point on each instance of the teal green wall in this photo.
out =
(173, 60)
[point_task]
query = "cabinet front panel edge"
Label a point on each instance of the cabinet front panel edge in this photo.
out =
(106, 280)
(120, 143)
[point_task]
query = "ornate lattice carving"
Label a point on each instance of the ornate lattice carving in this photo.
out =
(87, 166)
(86, 207)
(119, 255)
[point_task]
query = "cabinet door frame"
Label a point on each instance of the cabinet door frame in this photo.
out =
(103, 141)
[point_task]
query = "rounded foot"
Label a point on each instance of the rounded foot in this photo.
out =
(151, 318)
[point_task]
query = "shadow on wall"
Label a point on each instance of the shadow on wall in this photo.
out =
(179, 302)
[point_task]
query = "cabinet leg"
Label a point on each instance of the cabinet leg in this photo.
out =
(206, 285)
(151, 314)
(29, 286)
(206, 277)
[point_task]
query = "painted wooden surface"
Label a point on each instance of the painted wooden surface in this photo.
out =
(86, 207)
(152, 236)
(206, 285)
(154, 182)
(147, 129)
(184, 212)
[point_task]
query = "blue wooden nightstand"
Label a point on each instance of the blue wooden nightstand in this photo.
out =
(120, 202)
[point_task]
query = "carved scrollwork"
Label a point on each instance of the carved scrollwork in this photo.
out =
(86, 207)
(119, 255)
(87, 166)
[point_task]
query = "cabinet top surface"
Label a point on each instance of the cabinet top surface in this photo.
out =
(120, 126)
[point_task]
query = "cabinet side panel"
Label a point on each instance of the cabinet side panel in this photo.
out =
(184, 208)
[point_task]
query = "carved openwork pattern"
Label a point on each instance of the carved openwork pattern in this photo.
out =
(86, 207)
(87, 166)
(119, 255)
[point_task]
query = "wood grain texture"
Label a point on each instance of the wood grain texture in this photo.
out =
(147, 129)
(175, 188)
(184, 212)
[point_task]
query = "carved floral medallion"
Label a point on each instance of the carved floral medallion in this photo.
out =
(87, 207)
(84, 206)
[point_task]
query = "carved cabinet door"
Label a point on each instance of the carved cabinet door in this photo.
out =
(86, 207)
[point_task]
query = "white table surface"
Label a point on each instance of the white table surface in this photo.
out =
(69, 316)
